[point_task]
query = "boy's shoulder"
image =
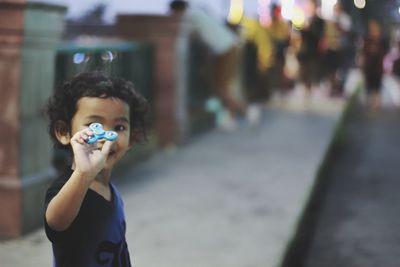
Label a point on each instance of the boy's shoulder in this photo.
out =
(57, 184)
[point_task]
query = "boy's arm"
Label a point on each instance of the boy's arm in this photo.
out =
(89, 160)
(64, 207)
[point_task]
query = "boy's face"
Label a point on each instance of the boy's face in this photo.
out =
(113, 113)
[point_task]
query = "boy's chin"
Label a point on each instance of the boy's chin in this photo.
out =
(108, 166)
(110, 163)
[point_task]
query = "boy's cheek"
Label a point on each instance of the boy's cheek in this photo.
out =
(123, 141)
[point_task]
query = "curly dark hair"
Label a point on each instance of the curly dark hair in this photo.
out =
(61, 106)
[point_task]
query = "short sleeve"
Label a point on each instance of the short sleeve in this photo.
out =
(52, 191)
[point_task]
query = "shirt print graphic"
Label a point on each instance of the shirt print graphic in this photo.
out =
(113, 254)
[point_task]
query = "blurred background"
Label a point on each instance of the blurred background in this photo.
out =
(299, 97)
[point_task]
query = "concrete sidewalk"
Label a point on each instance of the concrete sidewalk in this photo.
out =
(224, 200)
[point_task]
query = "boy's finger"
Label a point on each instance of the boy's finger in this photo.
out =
(82, 133)
(106, 147)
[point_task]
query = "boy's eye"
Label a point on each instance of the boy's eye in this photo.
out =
(119, 128)
(88, 124)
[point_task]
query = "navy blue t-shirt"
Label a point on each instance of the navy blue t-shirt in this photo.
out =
(96, 238)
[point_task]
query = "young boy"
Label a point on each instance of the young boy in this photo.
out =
(84, 216)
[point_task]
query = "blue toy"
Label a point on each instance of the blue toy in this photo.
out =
(99, 133)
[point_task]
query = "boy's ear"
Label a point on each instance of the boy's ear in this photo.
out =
(61, 131)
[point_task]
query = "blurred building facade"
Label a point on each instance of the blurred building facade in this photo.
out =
(29, 36)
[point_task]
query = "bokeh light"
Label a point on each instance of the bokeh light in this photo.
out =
(298, 18)
(235, 11)
(360, 3)
(108, 56)
(287, 9)
(79, 58)
(263, 12)
(327, 8)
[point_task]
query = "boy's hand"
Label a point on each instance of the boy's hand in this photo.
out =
(89, 159)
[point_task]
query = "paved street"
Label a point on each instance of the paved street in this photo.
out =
(359, 213)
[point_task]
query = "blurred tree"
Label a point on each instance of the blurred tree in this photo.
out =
(94, 16)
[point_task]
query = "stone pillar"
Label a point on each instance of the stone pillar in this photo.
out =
(29, 34)
(161, 31)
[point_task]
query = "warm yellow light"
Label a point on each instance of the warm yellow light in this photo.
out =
(360, 3)
(298, 17)
(235, 11)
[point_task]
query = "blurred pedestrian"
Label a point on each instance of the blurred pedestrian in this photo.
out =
(279, 30)
(347, 43)
(223, 43)
(331, 55)
(374, 49)
(309, 55)
(260, 55)
(396, 62)
(291, 66)
(336, 43)
(257, 62)
(84, 217)
(310, 50)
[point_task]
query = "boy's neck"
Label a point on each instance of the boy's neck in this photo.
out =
(102, 188)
